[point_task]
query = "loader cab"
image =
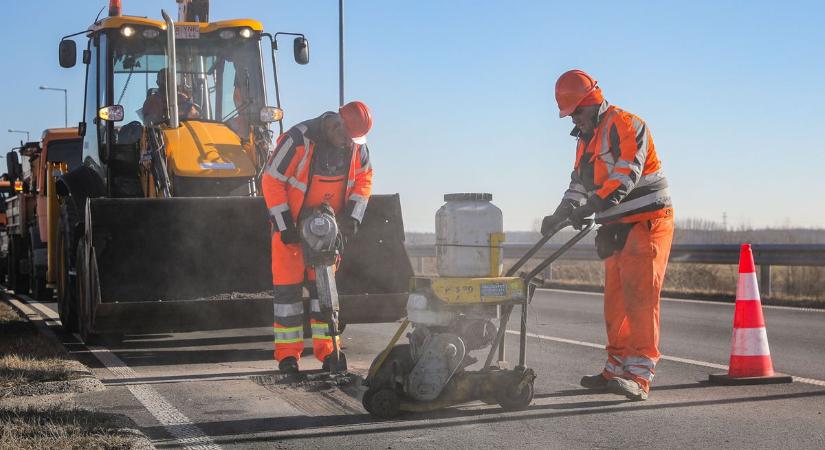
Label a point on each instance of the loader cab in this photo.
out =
(220, 137)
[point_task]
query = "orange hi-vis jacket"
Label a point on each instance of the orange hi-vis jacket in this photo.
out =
(288, 176)
(617, 170)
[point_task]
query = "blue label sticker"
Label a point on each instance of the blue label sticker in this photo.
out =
(494, 290)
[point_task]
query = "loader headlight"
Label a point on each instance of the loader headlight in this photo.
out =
(127, 31)
(245, 33)
(227, 34)
(271, 114)
(113, 113)
(150, 33)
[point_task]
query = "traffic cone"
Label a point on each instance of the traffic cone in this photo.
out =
(750, 358)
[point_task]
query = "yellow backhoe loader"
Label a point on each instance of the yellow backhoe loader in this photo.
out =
(163, 223)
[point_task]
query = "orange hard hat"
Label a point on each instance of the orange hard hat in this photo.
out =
(571, 88)
(357, 120)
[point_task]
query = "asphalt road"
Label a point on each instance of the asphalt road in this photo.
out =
(221, 389)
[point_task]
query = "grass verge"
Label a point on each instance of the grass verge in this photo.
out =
(58, 428)
(33, 365)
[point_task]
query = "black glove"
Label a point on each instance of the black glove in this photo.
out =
(290, 236)
(579, 216)
(348, 227)
(550, 222)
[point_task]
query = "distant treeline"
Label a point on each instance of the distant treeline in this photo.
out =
(689, 231)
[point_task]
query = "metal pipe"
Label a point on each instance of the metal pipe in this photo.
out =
(171, 72)
(549, 260)
(535, 248)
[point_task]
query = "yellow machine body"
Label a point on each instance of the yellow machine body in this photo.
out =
(469, 291)
(206, 150)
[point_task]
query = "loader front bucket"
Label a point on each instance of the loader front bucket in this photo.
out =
(187, 264)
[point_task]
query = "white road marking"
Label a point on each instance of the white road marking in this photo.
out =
(188, 435)
(701, 302)
(665, 357)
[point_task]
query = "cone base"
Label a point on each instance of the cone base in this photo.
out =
(727, 380)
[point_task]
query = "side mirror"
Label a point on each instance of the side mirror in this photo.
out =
(15, 169)
(300, 47)
(68, 53)
(112, 113)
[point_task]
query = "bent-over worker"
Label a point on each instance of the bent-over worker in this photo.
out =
(323, 160)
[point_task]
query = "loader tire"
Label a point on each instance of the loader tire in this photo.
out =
(18, 281)
(66, 298)
(84, 297)
(37, 274)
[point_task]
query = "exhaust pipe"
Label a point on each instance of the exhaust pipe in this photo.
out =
(171, 70)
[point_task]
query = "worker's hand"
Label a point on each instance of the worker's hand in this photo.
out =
(290, 236)
(579, 217)
(550, 222)
(348, 227)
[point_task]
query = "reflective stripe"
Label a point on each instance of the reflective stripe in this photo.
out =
(662, 196)
(746, 288)
(315, 305)
(621, 178)
(350, 184)
(640, 367)
(359, 208)
(613, 368)
(750, 342)
(289, 335)
(277, 213)
(279, 157)
(320, 330)
(297, 184)
(284, 310)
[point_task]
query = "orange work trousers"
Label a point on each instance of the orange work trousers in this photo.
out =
(632, 287)
(290, 276)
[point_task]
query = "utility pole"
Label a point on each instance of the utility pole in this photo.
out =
(340, 52)
(65, 102)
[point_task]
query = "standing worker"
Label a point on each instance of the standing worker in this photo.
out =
(319, 161)
(617, 175)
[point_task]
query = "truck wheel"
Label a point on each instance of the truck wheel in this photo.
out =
(66, 305)
(37, 274)
(84, 296)
(18, 281)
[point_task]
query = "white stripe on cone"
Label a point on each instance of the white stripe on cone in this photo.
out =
(747, 289)
(750, 342)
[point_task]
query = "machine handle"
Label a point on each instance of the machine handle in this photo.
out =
(575, 239)
(535, 248)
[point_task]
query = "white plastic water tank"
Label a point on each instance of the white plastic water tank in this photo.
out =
(463, 229)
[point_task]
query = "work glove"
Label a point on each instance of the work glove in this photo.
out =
(348, 227)
(579, 217)
(551, 222)
(290, 236)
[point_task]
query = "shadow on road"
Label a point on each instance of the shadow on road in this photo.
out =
(450, 417)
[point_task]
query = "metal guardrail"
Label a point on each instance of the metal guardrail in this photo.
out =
(765, 255)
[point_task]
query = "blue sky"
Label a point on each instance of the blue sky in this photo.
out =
(462, 93)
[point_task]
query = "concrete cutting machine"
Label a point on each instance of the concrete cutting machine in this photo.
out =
(452, 317)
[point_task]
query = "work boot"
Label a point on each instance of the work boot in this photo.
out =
(629, 388)
(288, 365)
(596, 382)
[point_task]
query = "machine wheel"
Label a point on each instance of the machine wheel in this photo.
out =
(511, 398)
(18, 281)
(37, 274)
(382, 403)
(66, 300)
(398, 363)
(84, 297)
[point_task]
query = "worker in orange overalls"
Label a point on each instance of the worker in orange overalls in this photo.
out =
(320, 161)
(617, 175)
